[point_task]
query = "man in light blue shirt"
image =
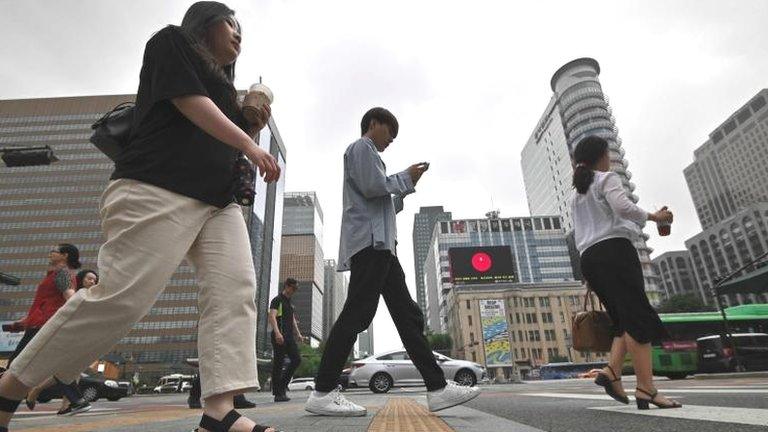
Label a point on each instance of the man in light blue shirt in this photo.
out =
(368, 249)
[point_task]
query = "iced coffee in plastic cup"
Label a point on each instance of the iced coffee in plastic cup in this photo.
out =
(258, 96)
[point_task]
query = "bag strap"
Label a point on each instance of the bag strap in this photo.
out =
(119, 107)
(591, 300)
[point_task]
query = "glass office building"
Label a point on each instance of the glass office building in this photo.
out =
(423, 225)
(41, 206)
(535, 250)
(302, 259)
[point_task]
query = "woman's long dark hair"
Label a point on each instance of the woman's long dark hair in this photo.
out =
(588, 151)
(73, 255)
(195, 24)
(81, 276)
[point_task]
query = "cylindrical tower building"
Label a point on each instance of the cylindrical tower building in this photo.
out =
(584, 110)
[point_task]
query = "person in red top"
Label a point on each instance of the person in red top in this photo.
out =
(59, 285)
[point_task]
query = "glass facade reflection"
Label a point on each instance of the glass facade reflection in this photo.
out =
(45, 205)
(265, 230)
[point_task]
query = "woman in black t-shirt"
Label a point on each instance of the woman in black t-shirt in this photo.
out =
(171, 198)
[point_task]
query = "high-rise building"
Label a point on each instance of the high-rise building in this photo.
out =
(676, 274)
(523, 250)
(728, 181)
(301, 258)
(365, 343)
(41, 206)
(578, 108)
(727, 246)
(264, 222)
(334, 295)
(730, 170)
(423, 226)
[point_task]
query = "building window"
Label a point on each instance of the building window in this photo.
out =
(468, 305)
(469, 319)
(474, 357)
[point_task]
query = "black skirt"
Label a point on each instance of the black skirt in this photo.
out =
(612, 269)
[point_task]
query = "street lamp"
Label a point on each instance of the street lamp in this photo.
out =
(27, 156)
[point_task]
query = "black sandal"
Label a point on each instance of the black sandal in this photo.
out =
(8, 406)
(212, 425)
(642, 404)
(606, 382)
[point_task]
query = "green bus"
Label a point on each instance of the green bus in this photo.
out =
(677, 357)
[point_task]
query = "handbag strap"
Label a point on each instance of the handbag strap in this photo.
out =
(121, 106)
(591, 299)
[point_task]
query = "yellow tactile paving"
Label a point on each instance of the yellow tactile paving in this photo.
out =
(89, 424)
(406, 415)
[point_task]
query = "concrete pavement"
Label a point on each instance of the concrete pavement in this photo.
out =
(718, 404)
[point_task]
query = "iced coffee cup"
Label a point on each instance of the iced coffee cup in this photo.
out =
(258, 96)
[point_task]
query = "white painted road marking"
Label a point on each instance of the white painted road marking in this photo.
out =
(748, 416)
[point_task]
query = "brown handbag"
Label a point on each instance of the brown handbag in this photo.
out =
(591, 329)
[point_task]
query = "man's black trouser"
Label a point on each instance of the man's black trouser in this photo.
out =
(281, 378)
(375, 273)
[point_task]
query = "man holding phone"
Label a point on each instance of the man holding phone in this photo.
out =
(368, 249)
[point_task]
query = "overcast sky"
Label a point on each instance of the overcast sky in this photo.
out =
(467, 80)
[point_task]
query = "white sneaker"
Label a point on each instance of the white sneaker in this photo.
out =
(333, 404)
(451, 395)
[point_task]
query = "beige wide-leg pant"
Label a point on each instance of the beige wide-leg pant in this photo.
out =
(149, 231)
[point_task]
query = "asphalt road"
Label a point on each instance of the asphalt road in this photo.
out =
(722, 404)
(710, 405)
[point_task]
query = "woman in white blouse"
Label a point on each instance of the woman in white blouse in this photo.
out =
(606, 223)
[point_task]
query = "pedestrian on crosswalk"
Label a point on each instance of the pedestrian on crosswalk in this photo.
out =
(368, 249)
(605, 223)
(170, 198)
(72, 400)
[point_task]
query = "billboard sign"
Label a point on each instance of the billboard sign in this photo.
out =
(482, 265)
(8, 340)
(495, 333)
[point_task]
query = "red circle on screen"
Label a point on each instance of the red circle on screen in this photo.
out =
(482, 262)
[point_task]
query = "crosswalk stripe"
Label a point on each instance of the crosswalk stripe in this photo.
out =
(715, 391)
(748, 416)
(573, 396)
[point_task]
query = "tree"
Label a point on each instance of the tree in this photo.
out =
(440, 342)
(683, 303)
(310, 361)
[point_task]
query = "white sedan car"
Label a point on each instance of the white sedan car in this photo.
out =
(302, 384)
(381, 372)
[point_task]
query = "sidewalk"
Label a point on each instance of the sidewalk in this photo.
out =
(398, 412)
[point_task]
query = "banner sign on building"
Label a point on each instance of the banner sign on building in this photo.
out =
(482, 265)
(495, 333)
(8, 341)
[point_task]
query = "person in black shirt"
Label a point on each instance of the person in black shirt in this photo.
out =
(285, 331)
(170, 198)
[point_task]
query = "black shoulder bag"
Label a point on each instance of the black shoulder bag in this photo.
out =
(111, 131)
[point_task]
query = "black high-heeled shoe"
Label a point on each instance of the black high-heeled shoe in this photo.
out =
(8, 406)
(642, 404)
(606, 382)
(212, 425)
